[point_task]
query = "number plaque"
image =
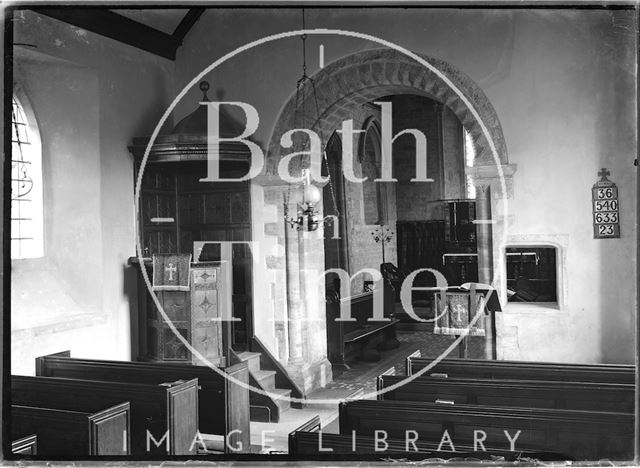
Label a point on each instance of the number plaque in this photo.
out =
(606, 216)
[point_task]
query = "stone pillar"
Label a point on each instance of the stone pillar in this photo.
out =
(307, 362)
(484, 233)
(293, 241)
(484, 230)
(269, 275)
(493, 185)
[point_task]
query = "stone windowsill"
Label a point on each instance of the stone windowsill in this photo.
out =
(61, 324)
(532, 307)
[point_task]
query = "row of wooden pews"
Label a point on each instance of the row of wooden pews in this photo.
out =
(477, 408)
(80, 407)
(521, 370)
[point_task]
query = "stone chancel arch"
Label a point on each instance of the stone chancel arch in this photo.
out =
(350, 82)
(345, 90)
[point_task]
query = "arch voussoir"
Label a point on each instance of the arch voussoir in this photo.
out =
(372, 74)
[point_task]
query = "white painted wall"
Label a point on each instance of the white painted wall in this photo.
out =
(91, 96)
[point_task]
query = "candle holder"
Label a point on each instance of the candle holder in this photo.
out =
(382, 235)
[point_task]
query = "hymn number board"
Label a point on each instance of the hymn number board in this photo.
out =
(606, 217)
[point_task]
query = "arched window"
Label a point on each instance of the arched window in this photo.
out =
(373, 193)
(27, 239)
(469, 158)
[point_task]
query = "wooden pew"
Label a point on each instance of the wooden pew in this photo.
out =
(308, 439)
(360, 338)
(27, 445)
(578, 435)
(168, 408)
(308, 443)
(520, 370)
(594, 396)
(223, 404)
(64, 433)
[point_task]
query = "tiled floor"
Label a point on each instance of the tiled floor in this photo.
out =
(362, 375)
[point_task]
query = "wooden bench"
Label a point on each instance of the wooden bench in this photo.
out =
(167, 409)
(594, 396)
(578, 435)
(27, 445)
(307, 440)
(64, 433)
(223, 404)
(361, 338)
(309, 443)
(520, 370)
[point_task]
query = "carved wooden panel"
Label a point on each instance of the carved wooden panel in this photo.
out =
(191, 208)
(237, 407)
(216, 208)
(172, 347)
(175, 304)
(182, 408)
(110, 433)
(239, 209)
(205, 310)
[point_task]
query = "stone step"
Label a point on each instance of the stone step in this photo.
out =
(266, 378)
(283, 403)
(252, 359)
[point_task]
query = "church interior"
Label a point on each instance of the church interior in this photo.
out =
(446, 267)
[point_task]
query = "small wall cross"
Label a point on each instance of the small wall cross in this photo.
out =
(171, 269)
(604, 172)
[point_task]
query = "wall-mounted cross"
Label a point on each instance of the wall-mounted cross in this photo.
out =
(171, 269)
(604, 173)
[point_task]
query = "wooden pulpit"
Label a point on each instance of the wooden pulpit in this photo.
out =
(193, 297)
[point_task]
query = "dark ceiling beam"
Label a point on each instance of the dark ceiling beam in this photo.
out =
(117, 27)
(186, 24)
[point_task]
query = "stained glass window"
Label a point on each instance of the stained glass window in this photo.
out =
(26, 187)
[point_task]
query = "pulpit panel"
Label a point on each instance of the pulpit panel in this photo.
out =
(206, 312)
(195, 312)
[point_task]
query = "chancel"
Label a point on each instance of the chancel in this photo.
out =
(415, 241)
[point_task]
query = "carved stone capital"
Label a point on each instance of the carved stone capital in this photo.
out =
(493, 176)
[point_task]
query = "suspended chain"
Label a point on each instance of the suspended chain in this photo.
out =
(304, 48)
(299, 87)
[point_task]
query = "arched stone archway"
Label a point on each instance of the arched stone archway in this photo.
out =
(344, 90)
(362, 77)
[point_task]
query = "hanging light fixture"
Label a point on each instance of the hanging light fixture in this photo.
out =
(307, 217)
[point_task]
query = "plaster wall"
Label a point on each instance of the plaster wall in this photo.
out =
(90, 95)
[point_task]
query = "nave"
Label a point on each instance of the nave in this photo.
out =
(504, 167)
(462, 409)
